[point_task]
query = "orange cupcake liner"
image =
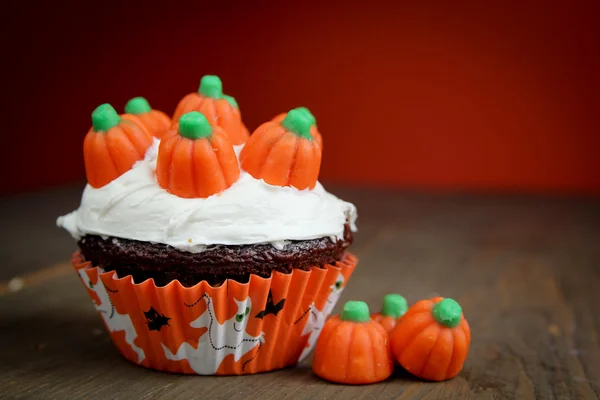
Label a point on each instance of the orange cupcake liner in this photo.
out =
(231, 329)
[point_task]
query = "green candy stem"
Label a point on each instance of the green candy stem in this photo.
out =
(394, 306)
(211, 86)
(355, 311)
(231, 101)
(308, 114)
(104, 117)
(194, 125)
(296, 121)
(447, 312)
(137, 105)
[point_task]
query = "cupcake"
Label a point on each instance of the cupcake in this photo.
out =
(201, 261)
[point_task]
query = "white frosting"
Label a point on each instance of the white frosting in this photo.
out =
(134, 206)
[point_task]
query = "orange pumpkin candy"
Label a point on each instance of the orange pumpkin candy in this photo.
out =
(284, 153)
(353, 349)
(196, 159)
(139, 111)
(394, 307)
(112, 146)
(314, 131)
(218, 108)
(431, 341)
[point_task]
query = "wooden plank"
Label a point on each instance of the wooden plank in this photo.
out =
(524, 269)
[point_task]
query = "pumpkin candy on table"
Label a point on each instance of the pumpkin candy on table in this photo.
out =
(394, 307)
(196, 159)
(112, 146)
(353, 349)
(284, 153)
(314, 131)
(431, 341)
(218, 108)
(139, 111)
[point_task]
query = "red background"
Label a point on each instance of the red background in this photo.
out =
(428, 96)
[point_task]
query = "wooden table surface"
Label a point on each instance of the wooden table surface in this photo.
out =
(525, 269)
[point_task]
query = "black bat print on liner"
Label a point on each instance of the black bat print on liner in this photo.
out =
(155, 320)
(270, 307)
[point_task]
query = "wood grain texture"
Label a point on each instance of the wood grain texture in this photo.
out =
(526, 271)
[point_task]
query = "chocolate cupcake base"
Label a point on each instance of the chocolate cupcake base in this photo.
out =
(163, 263)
